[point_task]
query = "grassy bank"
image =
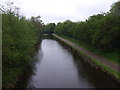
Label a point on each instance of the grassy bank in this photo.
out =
(112, 56)
(114, 74)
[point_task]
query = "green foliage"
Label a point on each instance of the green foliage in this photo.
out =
(11, 76)
(39, 25)
(112, 56)
(17, 40)
(99, 33)
(49, 28)
(19, 36)
(65, 28)
(115, 9)
(101, 30)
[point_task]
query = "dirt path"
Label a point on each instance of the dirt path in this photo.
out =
(113, 66)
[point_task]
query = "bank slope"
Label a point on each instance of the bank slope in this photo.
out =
(108, 67)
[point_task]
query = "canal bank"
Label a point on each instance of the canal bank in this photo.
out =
(108, 68)
(55, 65)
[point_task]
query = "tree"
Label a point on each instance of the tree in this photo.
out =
(115, 9)
(49, 28)
(19, 36)
(37, 22)
(101, 30)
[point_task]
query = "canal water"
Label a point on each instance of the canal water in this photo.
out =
(56, 66)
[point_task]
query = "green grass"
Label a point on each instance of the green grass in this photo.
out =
(112, 56)
(115, 73)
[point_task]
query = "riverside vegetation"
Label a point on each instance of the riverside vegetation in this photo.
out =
(100, 33)
(18, 43)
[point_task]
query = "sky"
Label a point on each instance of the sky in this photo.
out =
(54, 11)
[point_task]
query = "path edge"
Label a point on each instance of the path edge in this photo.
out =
(90, 60)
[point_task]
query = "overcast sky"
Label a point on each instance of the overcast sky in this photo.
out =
(61, 10)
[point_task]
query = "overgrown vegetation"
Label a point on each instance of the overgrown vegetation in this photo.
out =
(18, 42)
(99, 33)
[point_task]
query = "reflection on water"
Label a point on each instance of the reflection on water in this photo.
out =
(56, 66)
(97, 78)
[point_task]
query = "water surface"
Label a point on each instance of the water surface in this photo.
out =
(56, 66)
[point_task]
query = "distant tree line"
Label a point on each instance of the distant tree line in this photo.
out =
(19, 36)
(49, 28)
(101, 30)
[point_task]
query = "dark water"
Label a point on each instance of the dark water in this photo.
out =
(56, 66)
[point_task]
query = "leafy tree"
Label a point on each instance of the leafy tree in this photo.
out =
(19, 36)
(49, 28)
(101, 30)
(115, 9)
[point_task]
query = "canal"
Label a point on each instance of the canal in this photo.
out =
(56, 66)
